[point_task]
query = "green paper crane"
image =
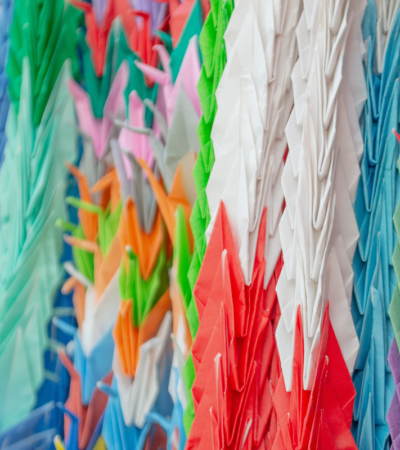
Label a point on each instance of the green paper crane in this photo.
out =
(182, 257)
(214, 59)
(108, 222)
(44, 31)
(145, 293)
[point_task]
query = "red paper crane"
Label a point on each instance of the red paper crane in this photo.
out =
(234, 352)
(97, 34)
(180, 12)
(139, 38)
(319, 419)
(88, 416)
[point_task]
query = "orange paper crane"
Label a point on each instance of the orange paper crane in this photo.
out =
(110, 188)
(168, 203)
(88, 220)
(78, 297)
(145, 246)
(105, 266)
(129, 338)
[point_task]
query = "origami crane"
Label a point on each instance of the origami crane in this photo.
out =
(240, 122)
(237, 366)
(140, 37)
(6, 10)
(212, 47)
(87, 416)
(374, 207)
(98, 88)
(187, 78)
(37, 429)
(319, 235)
(30, 244)
(100, 131)
(51, 47)
(225, 174)
(319, 418)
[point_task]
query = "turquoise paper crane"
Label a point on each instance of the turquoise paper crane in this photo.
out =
(32, 186)
(374, 275)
